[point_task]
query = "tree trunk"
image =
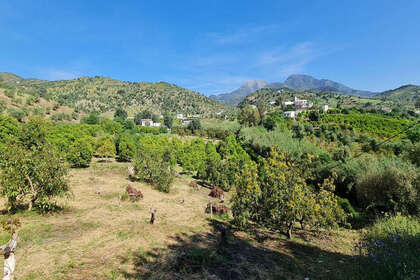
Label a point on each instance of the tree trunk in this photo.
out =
(9, 258)
(289, 230)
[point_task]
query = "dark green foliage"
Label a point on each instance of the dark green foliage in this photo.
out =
(168, 120)
(120, 113)
(93, 118)
(314, 115)
(111, 127)
(222, 172)
(249, 116)
(18, 114)
(150, 166)
(412, 153)
(391, 185)
(298, 130)
(9, 128)
(31, 169)
(126, 148)
(146, 114)
(194, 125)
(414, 134)
(80, 152)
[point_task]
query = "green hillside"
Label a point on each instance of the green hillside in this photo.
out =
(105, 94)
(408, 94)
(273, 99)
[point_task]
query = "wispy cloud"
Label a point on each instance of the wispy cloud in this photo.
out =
(222, 71)
(222, 61)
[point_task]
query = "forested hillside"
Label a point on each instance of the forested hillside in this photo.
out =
(105, 94)
(408, 94)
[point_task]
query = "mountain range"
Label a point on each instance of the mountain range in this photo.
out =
(296, 82)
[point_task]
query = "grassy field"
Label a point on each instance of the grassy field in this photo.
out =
(94, 238)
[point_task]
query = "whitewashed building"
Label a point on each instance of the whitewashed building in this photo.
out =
(150, 122)
(289, 114)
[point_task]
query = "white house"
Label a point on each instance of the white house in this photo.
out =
(325, 108)
(180, 116)
(186, 122)
(289, 114)
(149, 122)
(299, 103)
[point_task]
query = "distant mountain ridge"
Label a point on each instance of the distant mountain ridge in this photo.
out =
(235, 97)
(295, 82)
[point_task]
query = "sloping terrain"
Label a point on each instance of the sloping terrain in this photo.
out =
(408, 94)
(94, 238)
(105, 94)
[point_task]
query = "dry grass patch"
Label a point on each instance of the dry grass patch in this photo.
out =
(95, 238)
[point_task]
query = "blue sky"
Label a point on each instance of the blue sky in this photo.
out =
(213, 46)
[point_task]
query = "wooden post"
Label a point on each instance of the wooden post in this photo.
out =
(119, 200)
(152, 215)
(211, 210)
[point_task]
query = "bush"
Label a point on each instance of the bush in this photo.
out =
(80, 153)
(126, 149)
(151, 167)
(389, 185)
(105, 147)
(93, 118)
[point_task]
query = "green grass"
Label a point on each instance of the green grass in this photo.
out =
(220, 124)
(390, 250)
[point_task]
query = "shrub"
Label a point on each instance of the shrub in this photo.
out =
(126, 149)
(150, 167)
(412, 153)
(105, 147)
(93, 118)
(80, 153)
(194, 125)
(3, 105)
(391, 185)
